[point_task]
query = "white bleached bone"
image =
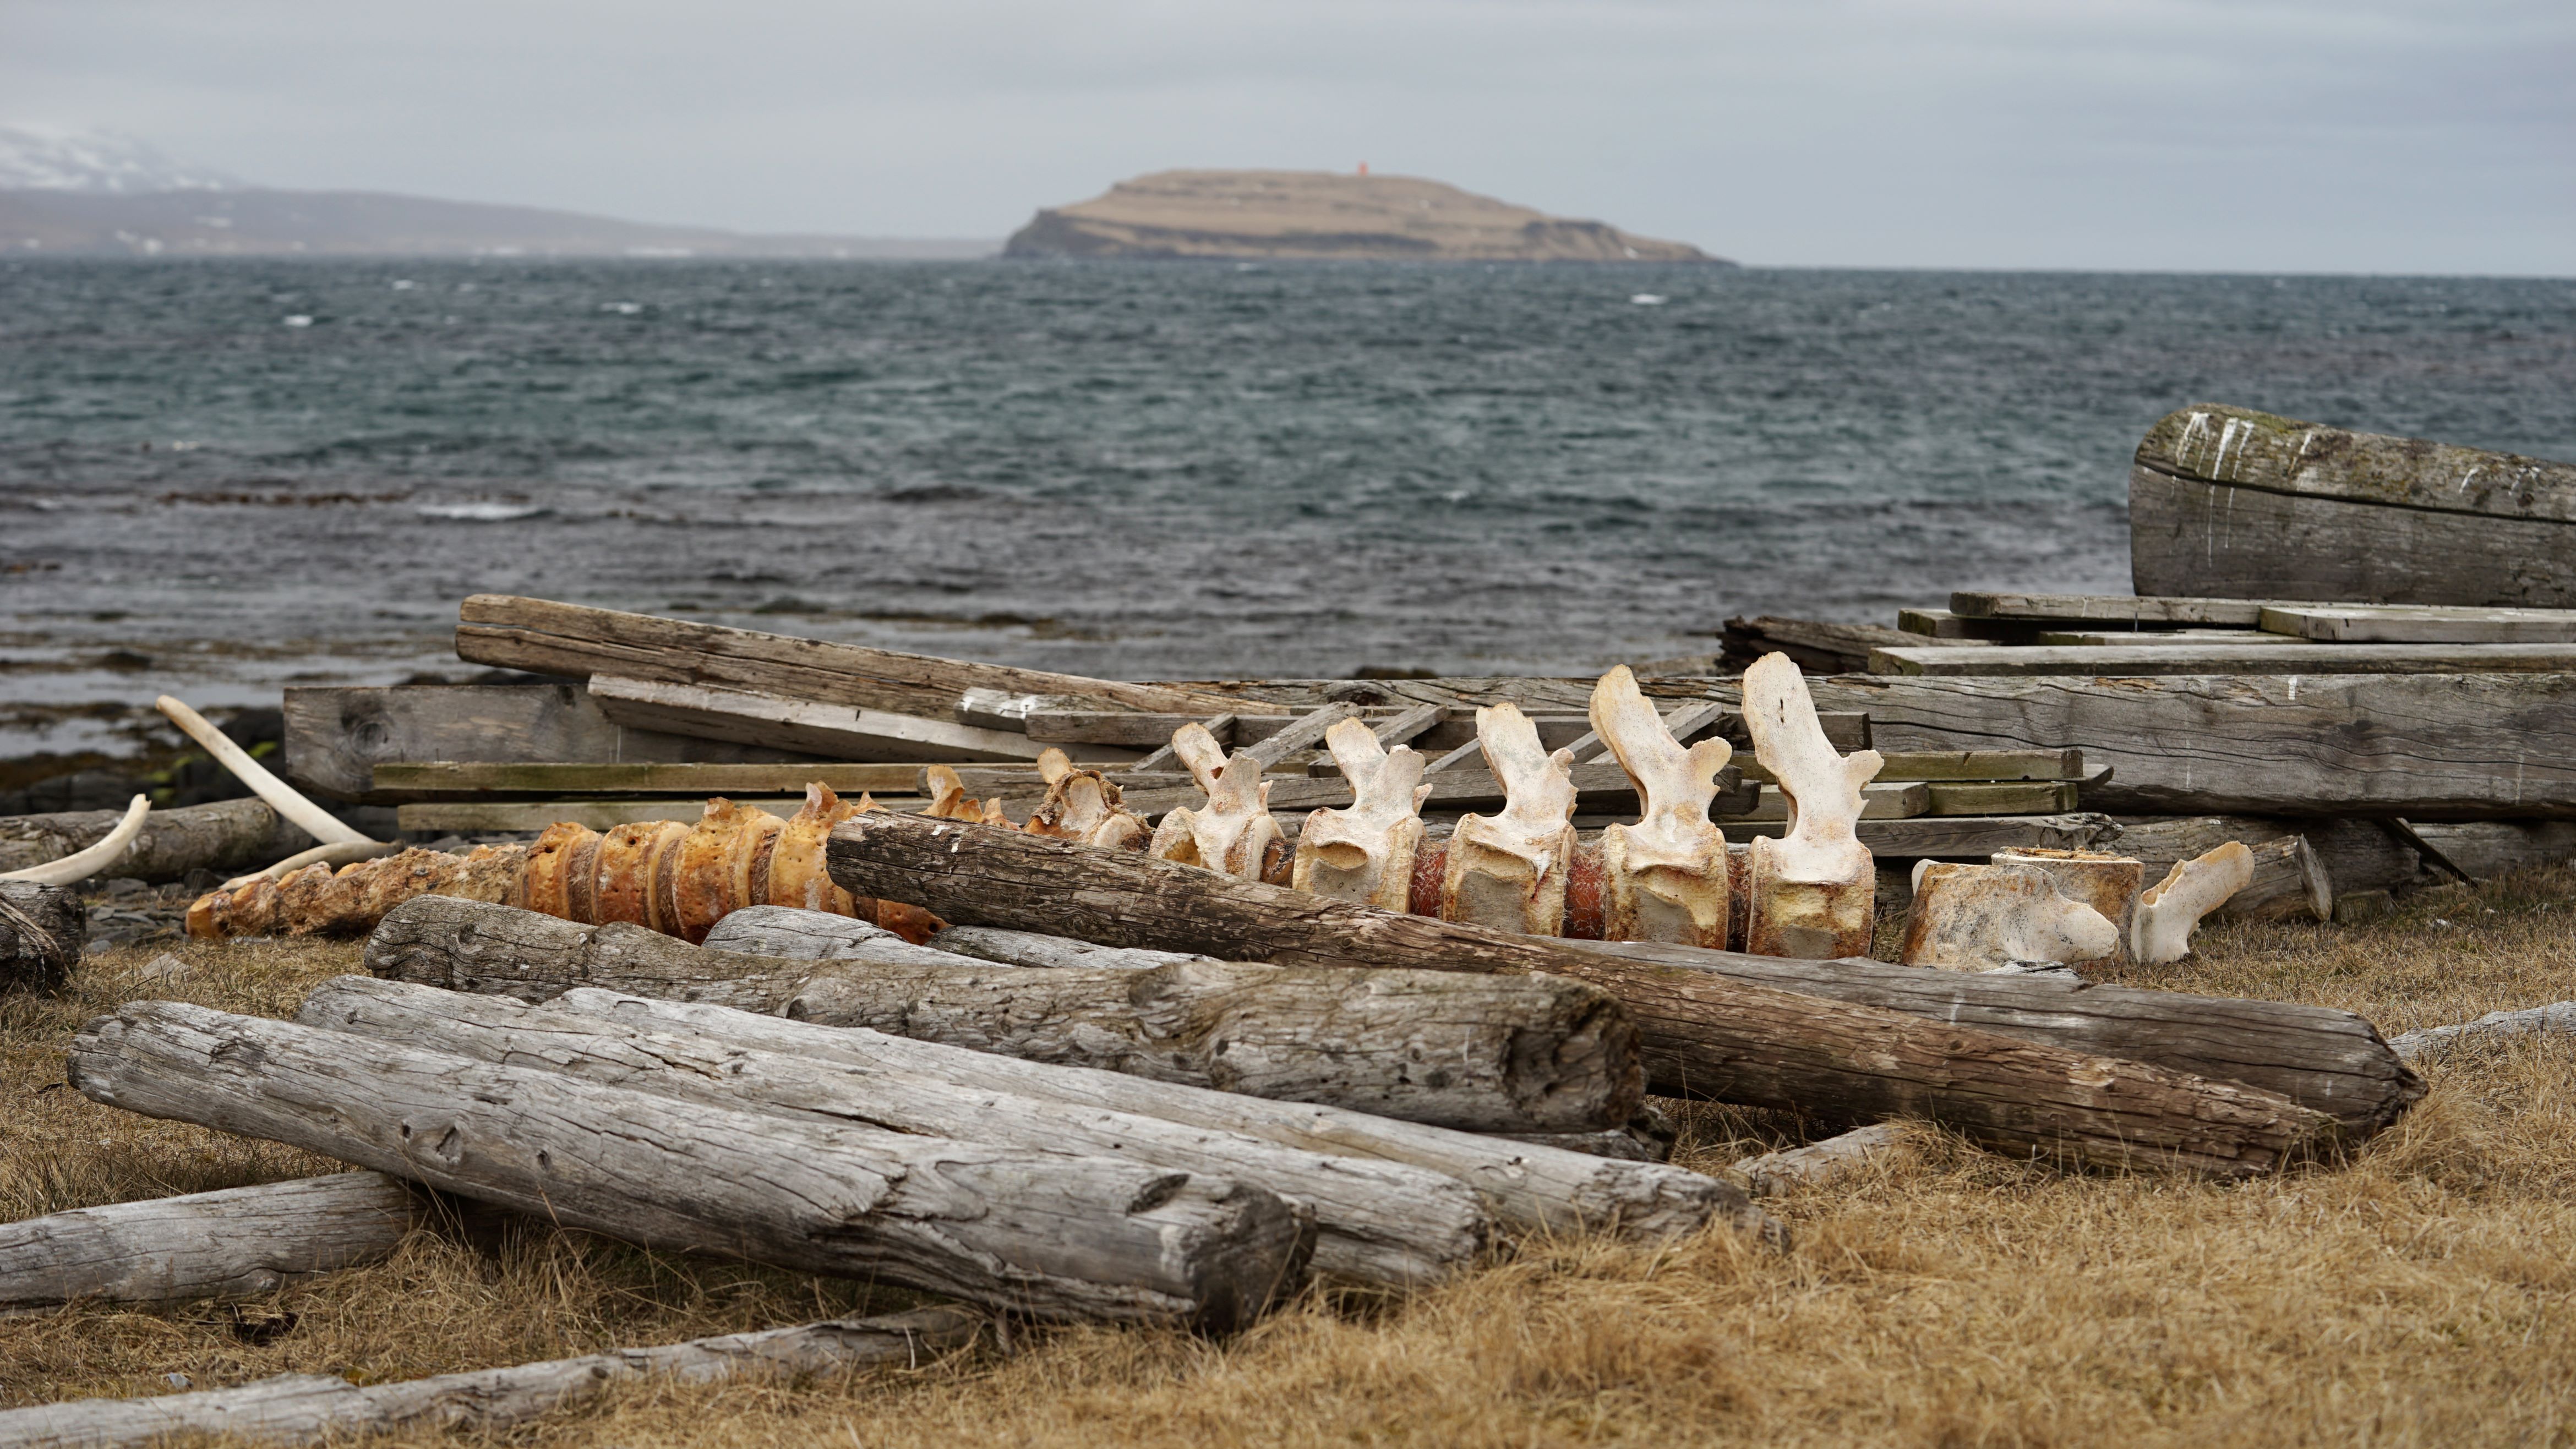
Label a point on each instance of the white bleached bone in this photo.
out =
(1814, 888)
(1979, 917)
(2171, 909)
(315, 821)
(1509, 871)
(80, 865)
(2105, 880)
(1366, 851)
(1082, 805)
(1233, 832)
(1664, 878)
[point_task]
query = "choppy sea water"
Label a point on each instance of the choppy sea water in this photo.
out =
(218, 477)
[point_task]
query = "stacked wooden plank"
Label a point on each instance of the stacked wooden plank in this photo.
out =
(2080, 634)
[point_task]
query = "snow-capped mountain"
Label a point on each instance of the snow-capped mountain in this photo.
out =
(57, 158)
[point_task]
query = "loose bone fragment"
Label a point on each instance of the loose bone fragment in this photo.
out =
(1509, 871)
(2104, 880)
(1082, 805)
(1665, 877)
(2171, 909)
(1814, 888)
(1233, 832)
(1365, 853)
(1980, 917)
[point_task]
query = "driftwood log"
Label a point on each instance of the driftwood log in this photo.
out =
(1046, 1234)
(2321, 1057)
(228, 1244)
(2556, 1019)
(315, 1408)
(41, 930)
(1376, 1222)
(1705, 1035)
(224, 837)
(1526, 1188)
(1519, 1055)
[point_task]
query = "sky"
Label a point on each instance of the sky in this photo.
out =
(2227, 135)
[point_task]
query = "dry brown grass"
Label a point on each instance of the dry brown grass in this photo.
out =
(2425, 1293)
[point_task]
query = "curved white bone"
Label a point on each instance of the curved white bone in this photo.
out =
(1979, 917)
(1665, 877)
(1365, 852)
(281, 797)
(1508, 871)
(2171, 909)
(80, 865)
(1815, 888)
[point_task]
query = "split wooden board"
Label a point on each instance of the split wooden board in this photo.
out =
(2295, 658)
(2420, 624)
(845, 731)
(2167, 611)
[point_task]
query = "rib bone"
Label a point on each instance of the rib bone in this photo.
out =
(1365, 853)
(2171, 908)
(1509, 871)
(1233, 833)
(1665, 877)
(317, 822)
(1980, 917)
(1814, 888)
(80, 865)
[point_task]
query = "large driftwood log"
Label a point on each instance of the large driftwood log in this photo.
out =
(2320, 1057)
(317, 1408)
(1502, 1055)
(2556, 1019)
(1376, 1222)
(1526, 1188)
(233, 1243)
(1046, 1234)
(1705, 1035)
(2231, 502)
(223, 837)
(2424, 746)
(41, 930)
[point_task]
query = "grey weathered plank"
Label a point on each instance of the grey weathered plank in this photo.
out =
(1959, 765)
(434, 779)
(233, 1243)
(1376, 1222)
(1958, 837)
(780, 722)
(2186, 536)
(1047, 1234)
(2425, 746)
(2166, 611)
(324, 1408)
(1949, 624)
(2420, 624)
(2217, 443)
(2288, 656)
(1894, 800)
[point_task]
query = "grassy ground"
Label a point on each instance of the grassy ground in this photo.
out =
(2424, 1293)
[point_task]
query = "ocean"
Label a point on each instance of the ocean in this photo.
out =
(221, 477)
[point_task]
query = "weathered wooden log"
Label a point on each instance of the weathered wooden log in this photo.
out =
(1046, 1234)
(1821, 1164)
(2229, 501)
(1502, 1055)
(41, 931)
(2424, 746)
(1648, 1137)
(226, 836)
(228, 1244)
(2556, 1019)
(1029, 948)
(1705, 1034)
(1376, 1222)
(318, 1408)
(1525, 1187)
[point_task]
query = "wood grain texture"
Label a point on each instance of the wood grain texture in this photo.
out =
(2461, 746)
(432, 780)
(335, 737)
(2146, 610)
(2191, 537)
(1497, 1055)
(1046, 1234)
(2420, 624)
(1958, 837)
(224, 836)
(555, 638)
(324, 1408)
(1525, 1187)
(2193, 657)
(1705, 1035)
(1376, 1222)
(2217, 443)
(782, 722)
(1961, 765)
(230, 1244)
(42, 929)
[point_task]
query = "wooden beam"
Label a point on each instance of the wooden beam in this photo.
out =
(554, 638)
(2098, 637)
(2288, 658)
(236, 1243)
(2420, 624)
(1704, 1034)
(1947, 624)
(2165, 611)
(2014, 797)
(1303, 733)
(2249, 450)
(2425, 746)
(1964, 837)
(1220, 727)
(435, 779)
(1900, 800)
(1960, 765)
(841, 730)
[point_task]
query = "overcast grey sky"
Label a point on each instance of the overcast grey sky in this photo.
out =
(2368, 135)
